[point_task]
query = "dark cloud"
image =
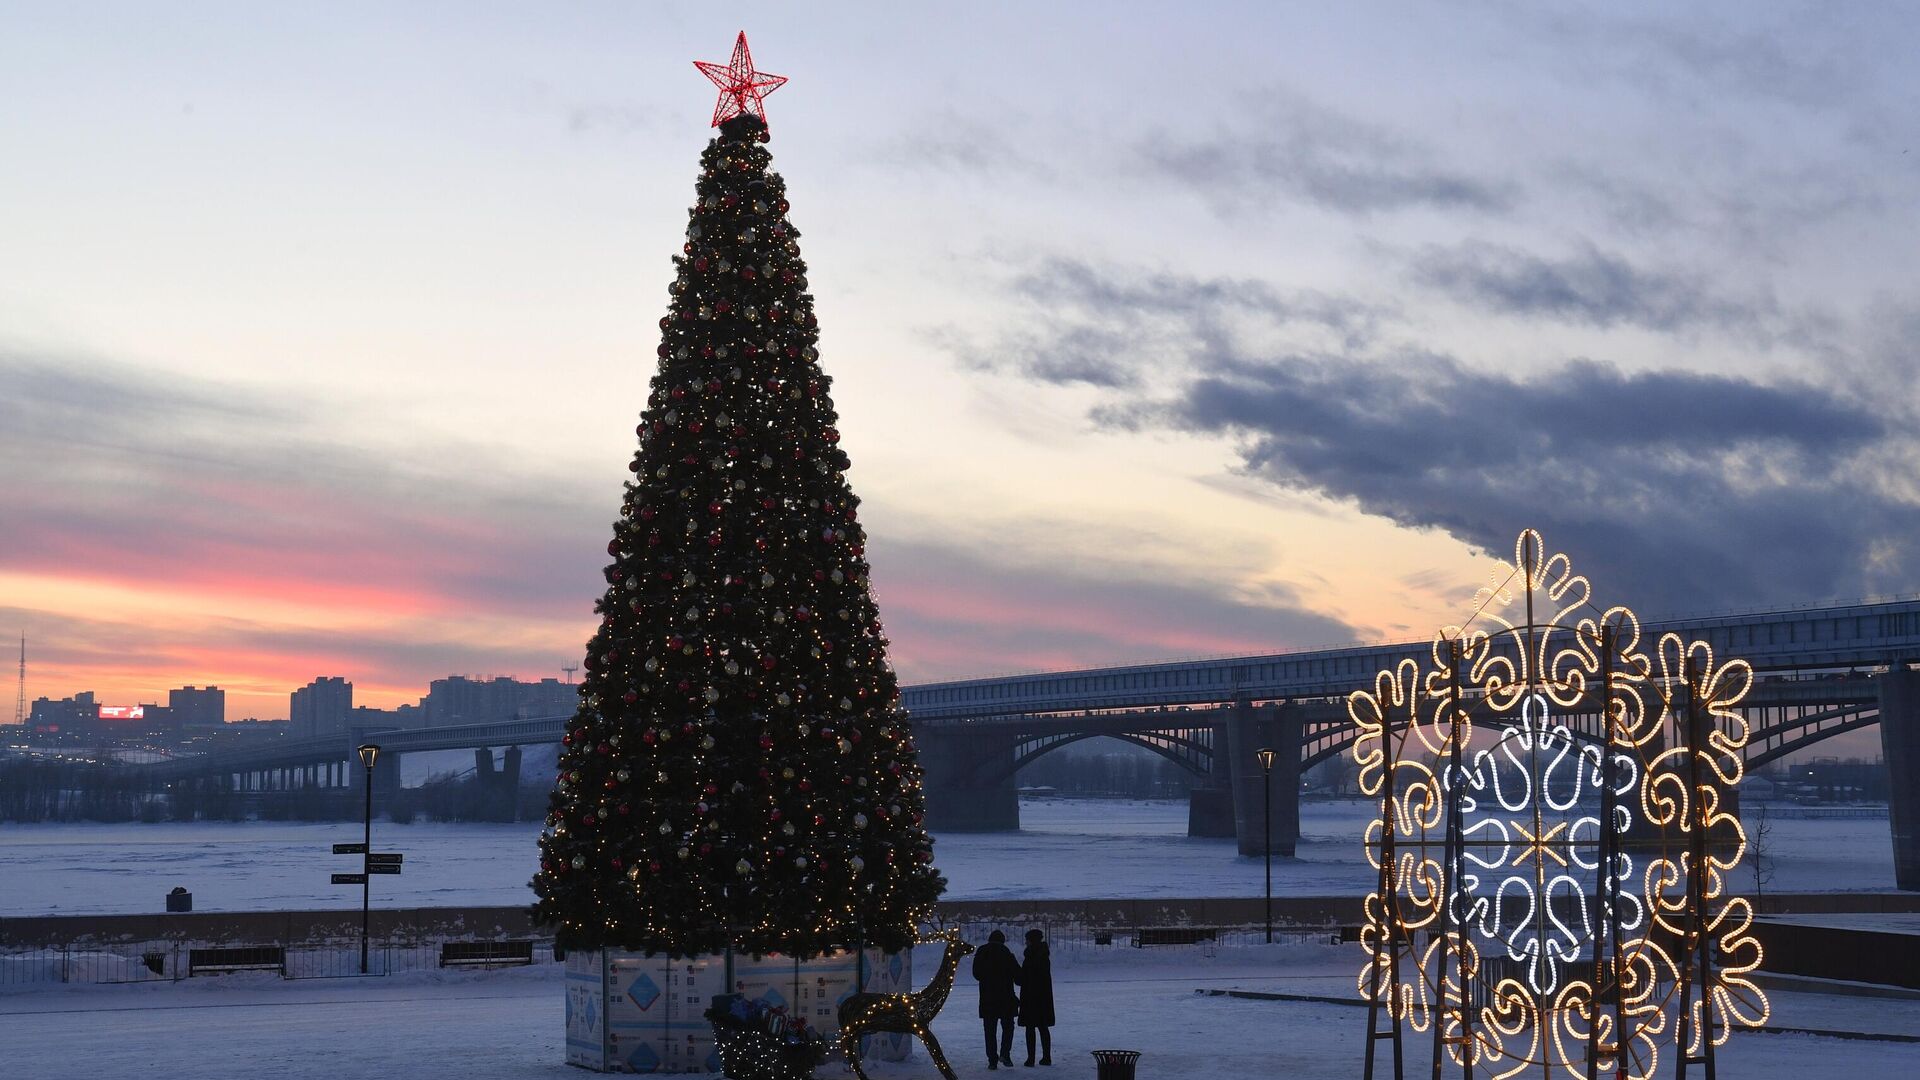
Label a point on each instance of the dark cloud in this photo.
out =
(1108, 328)
(1684, 490)
(1598, 288)
(1299, 148)
(122, 475)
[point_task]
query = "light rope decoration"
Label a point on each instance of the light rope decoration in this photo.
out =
(1569, 844)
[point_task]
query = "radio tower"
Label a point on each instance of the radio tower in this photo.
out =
(20, 696)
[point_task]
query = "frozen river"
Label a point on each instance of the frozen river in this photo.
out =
(1068, 848)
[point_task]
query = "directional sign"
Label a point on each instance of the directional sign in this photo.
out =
(349, 879)
(384, 868)
(349, 849)
(380, 858)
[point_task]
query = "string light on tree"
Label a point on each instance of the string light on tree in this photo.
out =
(739, 774)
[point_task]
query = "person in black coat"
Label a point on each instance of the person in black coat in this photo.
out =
(1036, 996)
(997, 972)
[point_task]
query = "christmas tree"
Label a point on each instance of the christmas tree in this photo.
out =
(739, 773)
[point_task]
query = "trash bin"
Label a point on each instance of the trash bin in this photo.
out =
(179, 899)
(1115, 1064)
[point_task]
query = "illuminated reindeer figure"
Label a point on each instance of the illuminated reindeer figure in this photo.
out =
(906, 1014)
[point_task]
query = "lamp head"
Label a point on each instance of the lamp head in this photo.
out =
(368, 752)
(1265, 754)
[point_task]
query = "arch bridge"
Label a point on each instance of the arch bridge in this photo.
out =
(1820, 672)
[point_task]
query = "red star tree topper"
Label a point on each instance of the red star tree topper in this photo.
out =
(742, 89)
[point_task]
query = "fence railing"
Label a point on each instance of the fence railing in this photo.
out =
(171, 961)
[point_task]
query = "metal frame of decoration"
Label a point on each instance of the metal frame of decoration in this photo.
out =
(1552, 896)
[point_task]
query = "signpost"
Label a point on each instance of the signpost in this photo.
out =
(372, 862)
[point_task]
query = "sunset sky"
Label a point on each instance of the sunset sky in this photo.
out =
(1158, 330)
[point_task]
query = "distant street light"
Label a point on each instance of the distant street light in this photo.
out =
(1265, 754)
(368, 753)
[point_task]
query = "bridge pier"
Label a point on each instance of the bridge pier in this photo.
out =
(1210, 809)
(1210, 803)
(955, 801)
(499, 788)
(510, 782)
(1248, 730)
(1900, 746)
(386, 779)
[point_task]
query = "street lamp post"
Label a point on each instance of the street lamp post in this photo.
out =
(368, 752)
(1265, 754)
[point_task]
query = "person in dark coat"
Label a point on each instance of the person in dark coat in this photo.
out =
(1036, 996)
(997, 972)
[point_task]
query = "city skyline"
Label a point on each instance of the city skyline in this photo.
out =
(325, 333)
(152, 698)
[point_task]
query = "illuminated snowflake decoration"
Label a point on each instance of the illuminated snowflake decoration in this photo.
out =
(1575, 848)
(1532, 824)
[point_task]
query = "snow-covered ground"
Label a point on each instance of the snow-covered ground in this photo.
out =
(474, 1026)
(1072, 848)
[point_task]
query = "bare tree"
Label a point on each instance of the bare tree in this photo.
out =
(1760, 846)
